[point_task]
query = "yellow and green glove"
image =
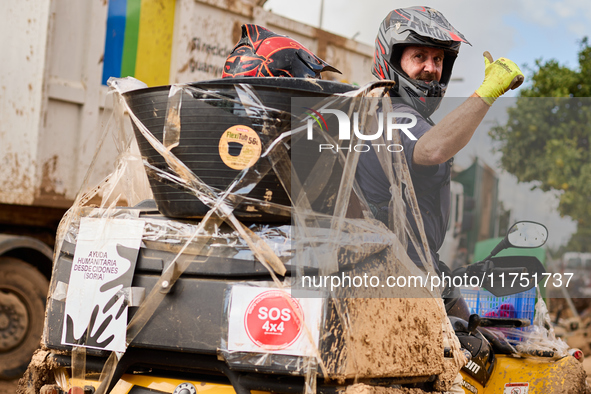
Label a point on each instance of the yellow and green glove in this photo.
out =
(499, 76)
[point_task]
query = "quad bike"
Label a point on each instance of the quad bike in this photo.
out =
(196, 259)
(218, 236)
(501, 359)
(181, 348)
(157, 365)
(168, 360)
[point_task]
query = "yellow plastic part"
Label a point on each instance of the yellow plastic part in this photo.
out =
(543, 375)
(167, 385)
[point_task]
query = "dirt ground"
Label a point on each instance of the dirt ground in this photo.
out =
(587, 366)
(8, 386)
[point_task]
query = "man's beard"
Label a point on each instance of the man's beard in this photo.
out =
(427, 77)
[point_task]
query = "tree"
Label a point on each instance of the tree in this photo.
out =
(546, 138)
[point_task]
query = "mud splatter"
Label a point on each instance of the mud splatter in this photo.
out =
(37, 374)
(366, 389)
(384, 339)
(571, 379)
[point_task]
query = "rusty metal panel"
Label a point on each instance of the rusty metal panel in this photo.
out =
(205, 33)
(51, 93)
(72, 106)
(353, 63)
(207, 30)
(50, 98)
(24, 32)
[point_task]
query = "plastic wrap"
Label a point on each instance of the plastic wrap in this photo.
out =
(257, 361)
(325, 241)
(537, 340)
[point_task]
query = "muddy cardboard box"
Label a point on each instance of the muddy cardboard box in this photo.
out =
(390, 333)
(388, 337)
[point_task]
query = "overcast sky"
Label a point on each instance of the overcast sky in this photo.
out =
(522, 30)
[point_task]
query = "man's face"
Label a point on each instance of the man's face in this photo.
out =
(422, 63)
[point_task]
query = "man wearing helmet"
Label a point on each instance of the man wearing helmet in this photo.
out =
(416, 47)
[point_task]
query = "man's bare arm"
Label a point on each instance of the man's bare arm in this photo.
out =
(450, 135)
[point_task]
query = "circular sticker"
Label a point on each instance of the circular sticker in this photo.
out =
(240, 147)
(273, 320)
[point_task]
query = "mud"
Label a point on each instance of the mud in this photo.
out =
(445, 381)
(17, 185)
(366, 389)
(37, 374)
(572, 379)
(388, 337)
(8, 386)
(587, 367)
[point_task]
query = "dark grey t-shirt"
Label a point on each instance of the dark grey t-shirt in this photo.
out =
(431, 186)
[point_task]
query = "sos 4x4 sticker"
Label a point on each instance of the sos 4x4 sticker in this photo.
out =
(268, 320)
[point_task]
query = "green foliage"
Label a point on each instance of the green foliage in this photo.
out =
(550, 79)
(579, 241)
(546, 139)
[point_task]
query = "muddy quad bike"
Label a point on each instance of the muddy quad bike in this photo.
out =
(183, 342)
(178, 350)
(501, 358)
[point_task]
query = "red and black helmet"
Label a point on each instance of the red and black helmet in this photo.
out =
(262, 53)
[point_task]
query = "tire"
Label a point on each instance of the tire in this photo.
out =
(23, 293)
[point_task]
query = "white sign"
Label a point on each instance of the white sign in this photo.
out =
(516, 388)
(104, 262)
(269, 320)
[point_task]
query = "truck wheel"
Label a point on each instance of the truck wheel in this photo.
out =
(23, 292)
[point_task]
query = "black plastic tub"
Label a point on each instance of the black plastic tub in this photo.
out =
(206, 114)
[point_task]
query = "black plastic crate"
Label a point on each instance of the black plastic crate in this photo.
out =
(205, 115)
